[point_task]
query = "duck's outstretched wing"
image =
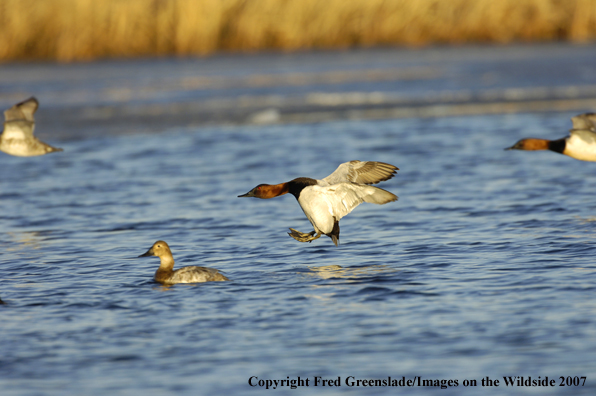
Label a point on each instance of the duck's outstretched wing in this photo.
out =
(22, 111)
(586, 121)
(363, 172)
(19, 121)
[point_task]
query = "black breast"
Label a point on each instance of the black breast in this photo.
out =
(298, 184)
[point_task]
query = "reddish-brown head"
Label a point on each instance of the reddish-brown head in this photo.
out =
(265, 191)
(257, 192)
(530, 144)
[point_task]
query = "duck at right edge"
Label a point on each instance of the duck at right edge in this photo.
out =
(580, 144)
(19, 124)
(326, 201)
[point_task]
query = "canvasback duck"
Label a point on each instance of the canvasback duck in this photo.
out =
(580, 144)
(19, 124)
(166, 275)
(326, 201)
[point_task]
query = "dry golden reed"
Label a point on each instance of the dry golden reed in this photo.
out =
(68, 30)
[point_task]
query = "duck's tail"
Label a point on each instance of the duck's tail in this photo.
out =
(334, 234)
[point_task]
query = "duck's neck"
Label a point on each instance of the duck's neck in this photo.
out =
(297, 185)
(293, 187)
(165, 268)
(558, 146)
(166, 262)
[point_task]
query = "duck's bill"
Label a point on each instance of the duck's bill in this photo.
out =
(245, 195)
(516, 146)
(147, 253)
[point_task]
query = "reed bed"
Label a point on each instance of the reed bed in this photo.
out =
(72, 30)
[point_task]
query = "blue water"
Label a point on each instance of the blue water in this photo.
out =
(484, 267)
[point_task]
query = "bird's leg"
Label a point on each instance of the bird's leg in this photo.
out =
(299, 236)
(302, 236)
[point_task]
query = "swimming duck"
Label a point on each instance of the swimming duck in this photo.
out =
(166, 275)
(580, 144)
(17, 138)
(326, 201)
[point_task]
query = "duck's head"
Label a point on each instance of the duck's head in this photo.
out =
(159, 248)
(530, 144)
(260, 191)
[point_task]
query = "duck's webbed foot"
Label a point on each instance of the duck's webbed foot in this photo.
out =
(302, 236)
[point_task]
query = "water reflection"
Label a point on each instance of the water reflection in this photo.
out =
(585, 220)
(337, 271)
(26, 240)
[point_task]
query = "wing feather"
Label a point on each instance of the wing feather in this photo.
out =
(22, 111)
(586, 121)
(363, 172)
(194, 274)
